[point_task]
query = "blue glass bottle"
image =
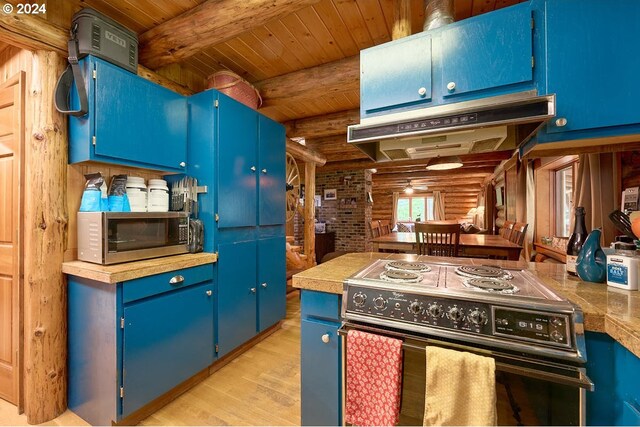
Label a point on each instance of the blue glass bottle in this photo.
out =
(591, 264)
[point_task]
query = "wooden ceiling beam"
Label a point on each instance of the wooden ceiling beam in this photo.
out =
(31, 33)
(475, 173)
(401, 19)
(208, 24)
(323, 125)
(311, 83)
(305, 154)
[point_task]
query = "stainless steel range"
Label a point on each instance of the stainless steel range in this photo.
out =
(507, 314)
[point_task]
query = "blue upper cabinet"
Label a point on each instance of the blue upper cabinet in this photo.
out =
(237, 164)
(131, 121)
(593, 63)
(272, 181)
(487, 52)
(396, 74)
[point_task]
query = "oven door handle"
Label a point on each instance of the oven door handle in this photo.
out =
(581, 381)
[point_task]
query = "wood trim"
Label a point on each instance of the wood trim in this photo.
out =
(586, 146)
(401, 19)
(153, 406)
(324, 125)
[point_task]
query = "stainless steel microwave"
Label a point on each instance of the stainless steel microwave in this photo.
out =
(113, 237)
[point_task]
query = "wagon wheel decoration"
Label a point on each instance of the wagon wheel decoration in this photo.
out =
(293, 187)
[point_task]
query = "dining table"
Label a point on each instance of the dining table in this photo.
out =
(470, 245)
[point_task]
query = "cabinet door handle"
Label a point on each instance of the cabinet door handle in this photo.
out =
(253, 168)
(422, 91)
(182, 164)
(264, 285)
(560, 122)
(264, 171)
(325, 338)
(451, 86)
(209, 293)
(253, 290)
(176, 280)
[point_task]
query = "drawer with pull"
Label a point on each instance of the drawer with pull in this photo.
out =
(165, 282)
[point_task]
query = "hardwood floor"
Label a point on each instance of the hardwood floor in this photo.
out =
(260, 387)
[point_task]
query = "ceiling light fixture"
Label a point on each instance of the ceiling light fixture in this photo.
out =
(408, 189)
(444, 163)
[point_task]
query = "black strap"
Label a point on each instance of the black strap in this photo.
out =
(71, 74)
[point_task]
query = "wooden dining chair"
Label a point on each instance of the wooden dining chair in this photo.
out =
(385, 227)
(518, 233)
(506, 229)
(437, 239)
(374, 226)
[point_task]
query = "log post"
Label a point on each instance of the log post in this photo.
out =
(401, 19)
(45, 229)
(310, 213)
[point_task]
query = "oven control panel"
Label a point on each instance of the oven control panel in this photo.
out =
(423, 312)
(419, 309)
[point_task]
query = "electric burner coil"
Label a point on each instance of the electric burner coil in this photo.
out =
(491, 285)
(415, 267)
(483, 272)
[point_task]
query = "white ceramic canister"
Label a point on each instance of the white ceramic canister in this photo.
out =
(158, 200)
(623, 267)
(137, 194)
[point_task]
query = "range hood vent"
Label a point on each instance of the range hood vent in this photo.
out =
(488, 124)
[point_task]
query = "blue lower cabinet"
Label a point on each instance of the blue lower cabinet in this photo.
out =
(320, 365)
(166, 340)
(615, 372)
(320, 371)
(128, 346)
(237, 294)
(272, 278)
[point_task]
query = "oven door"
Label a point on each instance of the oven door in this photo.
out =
(529, 391)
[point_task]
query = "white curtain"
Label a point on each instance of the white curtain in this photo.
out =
(394, 211)
(598, 191)
(438, 206)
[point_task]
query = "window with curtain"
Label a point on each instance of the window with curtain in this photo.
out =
(563, 200)
(415, 208)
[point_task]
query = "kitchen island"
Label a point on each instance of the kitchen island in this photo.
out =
(611, 317)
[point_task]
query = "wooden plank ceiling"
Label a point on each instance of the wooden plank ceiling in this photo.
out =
(301, 54)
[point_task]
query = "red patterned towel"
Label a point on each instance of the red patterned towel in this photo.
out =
(374, 379)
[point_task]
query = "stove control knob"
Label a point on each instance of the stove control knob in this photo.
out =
(455, 314)
(556, 321)
(478, 317)
(435, 310)
(380, 303)
(557, 336)
(415, 308)
(359, 299)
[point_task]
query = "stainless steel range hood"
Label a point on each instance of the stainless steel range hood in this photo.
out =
(488, 124)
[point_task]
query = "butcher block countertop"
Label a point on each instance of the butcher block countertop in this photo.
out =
(614, 312)
(136, 269)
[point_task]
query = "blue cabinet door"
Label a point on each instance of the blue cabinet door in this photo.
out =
(272, 279)
(594, 79)
(166, 340)
(320, 371)
(237, 164)
(488, 51)
(136, 121)
(236, 294)
(272, 170)
(396, 74)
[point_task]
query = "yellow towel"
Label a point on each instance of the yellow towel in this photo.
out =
(460, 389)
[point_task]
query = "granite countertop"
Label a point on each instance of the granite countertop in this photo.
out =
(612, 311)
(134, 270)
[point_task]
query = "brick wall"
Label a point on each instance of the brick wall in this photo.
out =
(348, 214)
